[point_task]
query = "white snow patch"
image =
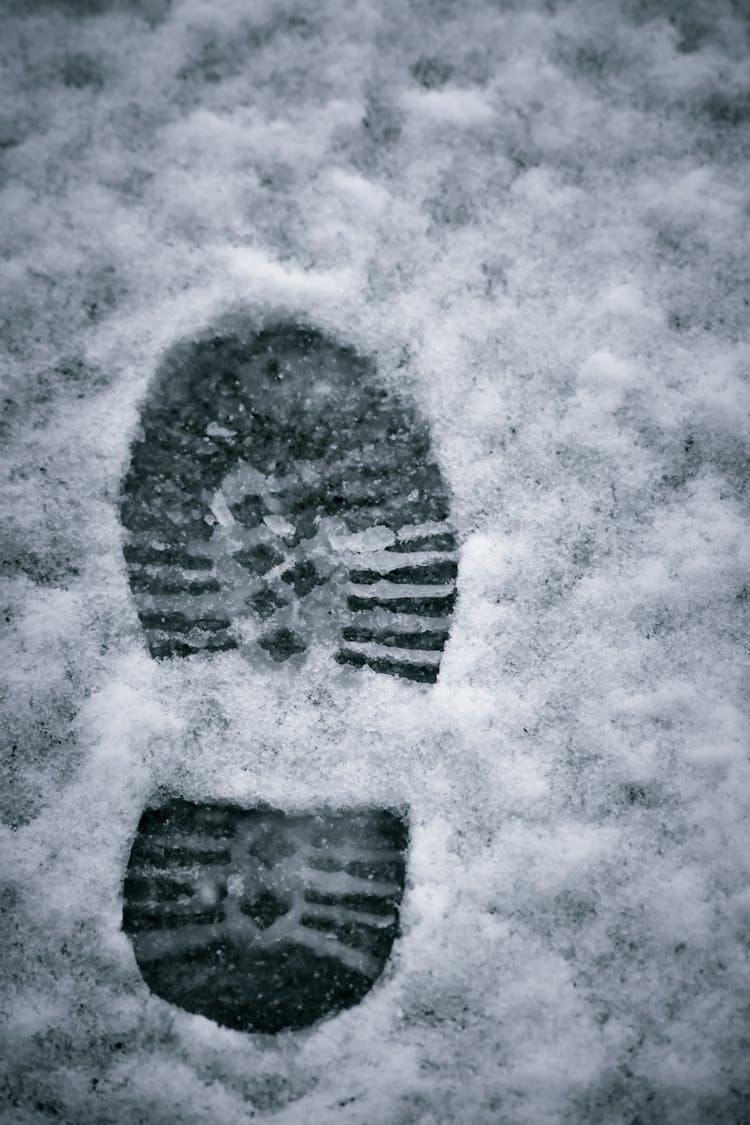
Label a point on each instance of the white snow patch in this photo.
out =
(451, 106)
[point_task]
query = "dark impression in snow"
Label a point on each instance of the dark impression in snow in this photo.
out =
(278, 498)
(259, 920)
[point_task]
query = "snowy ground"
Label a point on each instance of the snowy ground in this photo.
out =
(535, 215)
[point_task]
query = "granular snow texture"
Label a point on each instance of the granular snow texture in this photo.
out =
(534, 216)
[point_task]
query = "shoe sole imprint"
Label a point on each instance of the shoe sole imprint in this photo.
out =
(259, 920)
(279, 498)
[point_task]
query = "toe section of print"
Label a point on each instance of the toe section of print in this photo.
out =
(260, 920)
(281, 497)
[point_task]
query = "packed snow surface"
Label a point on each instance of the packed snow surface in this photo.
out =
(534, 217)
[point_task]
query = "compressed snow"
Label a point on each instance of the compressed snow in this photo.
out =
(534, 215)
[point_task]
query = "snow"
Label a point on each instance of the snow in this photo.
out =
(452, 106)
(535, 216)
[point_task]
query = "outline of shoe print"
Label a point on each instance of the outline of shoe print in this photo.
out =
(279, 498)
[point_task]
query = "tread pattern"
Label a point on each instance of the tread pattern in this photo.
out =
(259, 920)
(280, 497)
